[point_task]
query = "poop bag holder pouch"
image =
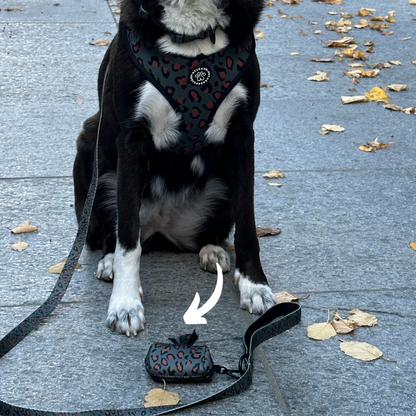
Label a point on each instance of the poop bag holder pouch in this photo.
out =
(181, 361)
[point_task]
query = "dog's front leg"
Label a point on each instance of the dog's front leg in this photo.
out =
(126, 312)
(255, 293)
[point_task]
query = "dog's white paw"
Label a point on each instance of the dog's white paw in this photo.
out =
(254, 297)
(209, 255)
(105, 268)
(126, 314)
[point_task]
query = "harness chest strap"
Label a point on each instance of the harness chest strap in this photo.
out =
(194, 87)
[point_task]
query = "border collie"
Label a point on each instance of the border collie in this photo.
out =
(179, 89)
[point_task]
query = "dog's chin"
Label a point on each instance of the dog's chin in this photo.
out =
(191, 17)
(195, 48)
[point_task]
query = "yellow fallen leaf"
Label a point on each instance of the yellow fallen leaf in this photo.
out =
(260, 35)
(161, 397)
(20, 246)
(100, 42)
(362, 318)
(412, 2)
(57, 268)
(414, 62)
(377, 94)
(294, 53)
(24, 227)
(412, 245)
(274, 174)
(342, 326)
(321, 331)
(360, 350)
(397, 87)
(395, 62)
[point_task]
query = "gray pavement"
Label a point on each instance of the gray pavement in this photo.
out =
(347, 218)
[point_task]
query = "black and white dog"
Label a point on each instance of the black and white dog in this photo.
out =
(176, 146)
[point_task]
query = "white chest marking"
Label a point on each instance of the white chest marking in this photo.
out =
(163, 121)
(217, 130)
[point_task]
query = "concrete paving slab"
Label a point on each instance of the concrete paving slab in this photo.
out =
(341, 385)
(89, 11)
(55, 63)
(340, 229)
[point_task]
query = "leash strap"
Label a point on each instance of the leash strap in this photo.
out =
(276, 320)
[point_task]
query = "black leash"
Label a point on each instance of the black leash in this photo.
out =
(276, 320)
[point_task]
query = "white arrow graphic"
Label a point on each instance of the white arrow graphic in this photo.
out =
(194, 315)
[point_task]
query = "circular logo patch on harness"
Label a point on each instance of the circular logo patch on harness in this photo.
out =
(200, 76)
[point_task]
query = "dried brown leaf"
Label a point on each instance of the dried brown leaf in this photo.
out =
(57, 268)
(393, 107)
(161, 397)
(360, 350)
(332, 127)
(362, 318)
(24, 227)
(283, 296)
(319, 77)
(331, 59)
(274, 174)
(264, 231)
(321, 331)
(409, 110)
(339, 43)
(354, 99)
(100, 42)
(342, 326)
(20, 246)
(397, 87)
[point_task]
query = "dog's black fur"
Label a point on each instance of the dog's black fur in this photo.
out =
(129, 163)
